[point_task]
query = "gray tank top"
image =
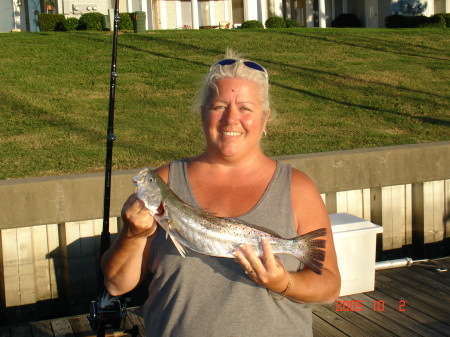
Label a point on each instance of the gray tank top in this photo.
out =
(200, 295)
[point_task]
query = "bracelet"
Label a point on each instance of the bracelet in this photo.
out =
(282, 295)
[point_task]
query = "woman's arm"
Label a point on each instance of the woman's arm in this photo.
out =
(125, 264)
(304, 286)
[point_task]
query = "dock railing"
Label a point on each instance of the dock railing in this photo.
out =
(51, 226)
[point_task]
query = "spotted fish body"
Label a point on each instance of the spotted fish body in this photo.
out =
(207, 234)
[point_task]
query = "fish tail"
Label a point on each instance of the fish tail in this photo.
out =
(310, 252)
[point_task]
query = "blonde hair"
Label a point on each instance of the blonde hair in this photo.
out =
(238, 69)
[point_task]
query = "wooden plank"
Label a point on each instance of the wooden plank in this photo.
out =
(10, 256)
(350, 202)
(432, 279)
(318, 333)
(386, 207)
(41, 265)
(81, 326)
(26, 265)
(62, 328)
(408, 311)
(442, 277)
(134, 319)
(330, 201)
(89, 264)
(398, 216)
(325, 328)
(418, 220)
(357, 319)
(366, 204)
(339, 322)
(434, 211)
(408, 214)
(355, 203)
(430, 292)
(21, 331)
(53, 248)
(447, 218)
(413, 297)
(74, 264)
(383, 318)
(41, 329)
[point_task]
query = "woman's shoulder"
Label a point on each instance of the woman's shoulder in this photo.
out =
(300, 179)
(163, 172)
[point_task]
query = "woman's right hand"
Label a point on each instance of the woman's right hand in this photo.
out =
(138, 222)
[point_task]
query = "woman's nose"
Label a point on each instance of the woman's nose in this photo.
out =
(232, 115)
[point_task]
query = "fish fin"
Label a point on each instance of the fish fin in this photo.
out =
(167, 231)
(179, 246)
(312, 254)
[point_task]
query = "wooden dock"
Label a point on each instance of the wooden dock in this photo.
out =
(408, 301)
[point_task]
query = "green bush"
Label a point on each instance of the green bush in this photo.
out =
(290, 23)
(346, 20)
(394, 21)
(91, 21)
(443, 16)
(126, 21)
(252, 24)
(50, 22)
(419, 21)
(70, 24)
(435, 21)
(446, 17)
(275, 22)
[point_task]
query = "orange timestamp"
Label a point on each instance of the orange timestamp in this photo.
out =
(358, 305)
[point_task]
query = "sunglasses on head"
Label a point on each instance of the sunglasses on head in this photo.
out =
(249, 64)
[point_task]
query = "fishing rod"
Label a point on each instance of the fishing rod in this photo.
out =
(108, 311)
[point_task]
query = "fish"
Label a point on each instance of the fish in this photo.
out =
(205, 233)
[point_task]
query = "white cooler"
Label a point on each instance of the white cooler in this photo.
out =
(355, 242)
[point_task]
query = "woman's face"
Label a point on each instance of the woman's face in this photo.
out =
(233, 120)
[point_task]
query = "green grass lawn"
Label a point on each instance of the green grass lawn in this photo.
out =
(333, 89)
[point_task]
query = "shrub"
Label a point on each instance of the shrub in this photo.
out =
(252, 24)
(419, 21)
(50, 22)
(125, 21)
(292, 24)
(275, 22)
(394, 21)
(435, 21)
(346, 20)
(70, 24)
(446, 17)
(91, 21)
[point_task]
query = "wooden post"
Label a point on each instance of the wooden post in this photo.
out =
(376, 216)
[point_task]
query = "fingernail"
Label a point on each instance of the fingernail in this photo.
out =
(234, 254)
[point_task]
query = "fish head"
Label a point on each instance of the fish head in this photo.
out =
(148, 189)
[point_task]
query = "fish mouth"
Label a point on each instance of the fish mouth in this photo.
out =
(160, 210)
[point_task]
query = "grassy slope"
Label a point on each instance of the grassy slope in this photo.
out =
(333, 89)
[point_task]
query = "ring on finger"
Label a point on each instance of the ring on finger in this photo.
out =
(249, 271)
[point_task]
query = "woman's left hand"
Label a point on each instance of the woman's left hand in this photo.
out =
(267, 270)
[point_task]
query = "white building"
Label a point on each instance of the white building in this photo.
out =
(173, 14)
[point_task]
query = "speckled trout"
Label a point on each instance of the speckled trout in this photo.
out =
(207, 234)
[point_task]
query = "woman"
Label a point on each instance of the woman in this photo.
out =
(208, 296)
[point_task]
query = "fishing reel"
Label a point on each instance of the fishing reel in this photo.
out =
(109, 315)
